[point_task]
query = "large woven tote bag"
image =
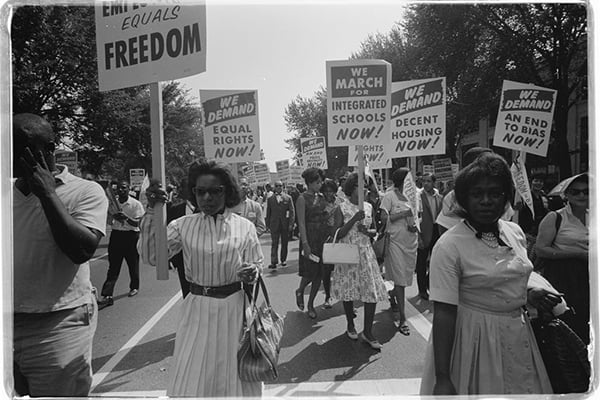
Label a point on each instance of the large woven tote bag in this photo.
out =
(258, 353)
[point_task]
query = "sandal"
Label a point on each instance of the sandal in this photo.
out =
(300, 299)
(404, 329)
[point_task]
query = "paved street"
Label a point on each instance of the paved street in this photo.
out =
(135, 339)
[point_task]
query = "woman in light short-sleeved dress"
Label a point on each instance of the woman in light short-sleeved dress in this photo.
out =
(481, 341)
(401, 257)
(362, 281)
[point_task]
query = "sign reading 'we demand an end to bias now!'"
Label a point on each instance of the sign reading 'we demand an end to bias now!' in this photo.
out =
(139, 43)
(358, 102)
(525, 118)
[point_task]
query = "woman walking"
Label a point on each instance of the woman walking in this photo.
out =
(329, 190)
(220, 251)
(312, 224)
(362, 281)
(401, 258)
(566, 255)
(482, 343)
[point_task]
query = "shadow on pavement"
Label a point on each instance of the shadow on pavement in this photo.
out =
(140, 356)
(339, 352)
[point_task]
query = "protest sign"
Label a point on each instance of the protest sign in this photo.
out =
(525, 118)
(263, 175)
(428, 169)
(442, 168)
(249, 174)
(140, 43)
(454, 169)
(418, 118)
(296, 174)
(314, 153)
(283, 170)
(358, 102)
(375, 155)
(410, 192)
(136, 177)
(519, 175)
(231, 125)
(68, 158)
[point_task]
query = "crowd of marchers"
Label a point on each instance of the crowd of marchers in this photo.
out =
(470, 260)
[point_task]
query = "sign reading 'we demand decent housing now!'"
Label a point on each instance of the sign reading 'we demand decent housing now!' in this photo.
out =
(139, 43)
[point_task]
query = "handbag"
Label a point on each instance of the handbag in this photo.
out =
(564, 354)
(381, 244)
(258, 352)
(340, 253)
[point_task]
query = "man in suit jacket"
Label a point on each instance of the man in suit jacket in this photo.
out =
(431, 203)
(280, 221)
(174, 212)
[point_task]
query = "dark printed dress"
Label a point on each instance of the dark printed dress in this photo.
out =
(317, 231)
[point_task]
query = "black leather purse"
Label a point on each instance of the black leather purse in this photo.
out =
(564, 354)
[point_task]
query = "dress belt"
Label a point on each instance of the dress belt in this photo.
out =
(219, 292)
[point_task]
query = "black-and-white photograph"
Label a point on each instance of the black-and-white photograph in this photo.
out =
(317, 199)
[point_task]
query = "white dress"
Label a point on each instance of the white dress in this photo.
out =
(494, 350)
(209, 331)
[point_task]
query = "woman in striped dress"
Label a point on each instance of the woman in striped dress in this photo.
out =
(220, 251)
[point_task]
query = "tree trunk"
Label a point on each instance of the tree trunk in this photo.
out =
(561, 143)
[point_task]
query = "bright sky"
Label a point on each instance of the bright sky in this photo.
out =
(280, 48)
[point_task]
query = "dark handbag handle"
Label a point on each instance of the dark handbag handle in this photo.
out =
(252, 297)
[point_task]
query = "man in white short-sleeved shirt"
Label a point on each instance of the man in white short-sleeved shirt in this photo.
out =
(58, 222)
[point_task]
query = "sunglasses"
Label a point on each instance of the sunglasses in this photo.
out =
(575, 192)
(213, 191)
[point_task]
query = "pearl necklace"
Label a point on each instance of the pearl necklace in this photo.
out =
(490, 239)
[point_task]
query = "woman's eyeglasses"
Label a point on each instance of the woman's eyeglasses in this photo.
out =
(493, 194)
(575, 192)
(213, 191)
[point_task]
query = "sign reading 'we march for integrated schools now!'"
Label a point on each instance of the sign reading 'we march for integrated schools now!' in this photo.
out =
(139, 43)
(418, 118)
(358, 102)
(231, 125)
(314, 152)
(525, 118)
(376, 156)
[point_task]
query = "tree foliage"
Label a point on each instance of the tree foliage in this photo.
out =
(55, 75)
(476, 47)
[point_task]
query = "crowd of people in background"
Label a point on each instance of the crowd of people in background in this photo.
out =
(471, 261)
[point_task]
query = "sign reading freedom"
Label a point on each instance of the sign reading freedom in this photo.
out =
(358, 102)
(137, 43)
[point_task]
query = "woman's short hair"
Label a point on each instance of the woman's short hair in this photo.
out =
(329, 184)
(312, 174)
(487, 165)
(222, 172)
(350, 183)
(398, 177)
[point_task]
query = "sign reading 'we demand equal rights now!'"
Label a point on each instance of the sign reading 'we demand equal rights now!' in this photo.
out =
(139, 43)
(231, 125)
(358, 102)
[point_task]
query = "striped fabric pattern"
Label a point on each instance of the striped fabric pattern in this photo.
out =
(205, 358)
(213, 250)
